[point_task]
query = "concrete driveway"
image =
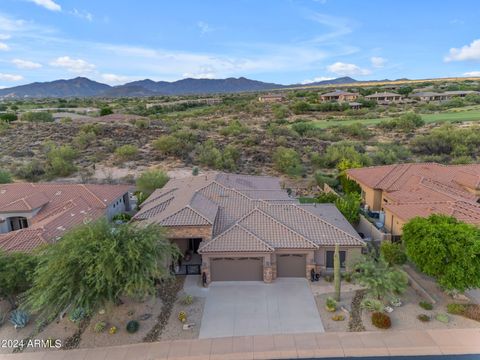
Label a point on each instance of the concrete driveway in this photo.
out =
(245, 308)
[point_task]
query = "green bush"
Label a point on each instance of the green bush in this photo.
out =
(442, 318)
(456, 309)
(425, 305)
(5, 177)
(331, 304)
(126, 152)
(40, 116)
(60, 160)
(132, 326)
(393, 253)
(106, 110)
(287, 161)
(373, 305)
(381, 320)
(150, 180)
(8, 117)
(100, 326)
(423, 317)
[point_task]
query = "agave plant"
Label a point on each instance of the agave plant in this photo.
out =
(19, 318)
(77, 315)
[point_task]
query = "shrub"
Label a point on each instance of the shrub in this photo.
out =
(5, 177)
(182, 316)
(195, 171)
(39, 116)
(168, 145)
(31, 171)
(442, 318)
(60, 160)
(150, 180)
(373, 305)
(126, 152)
(287, 161)
(122, 217)
(393, 253)
(381, 320)
(106, 110)
(112, 330)
(100, 327)
(19, 318)
(187, 300)
(328, 278)
(132, 326)
(423, 317)
(425, 305)
(338, 317)
(77, 315)
(8, 117)
(331, 304)
(456, 309)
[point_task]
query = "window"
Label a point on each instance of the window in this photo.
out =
(330, 255)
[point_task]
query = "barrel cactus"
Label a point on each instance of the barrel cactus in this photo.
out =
(182, 316)
(132, 326)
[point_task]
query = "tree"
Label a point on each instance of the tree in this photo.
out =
(95, 264)
(405, 90)
(382, 281)
(445, 248)
(60, 159)
(5, 177)
(8, 117)
(16, 275)
(349, 206)
(393, 253)
(287, 161)
(106, 110)
(126, 152)
(336, 272)
(150, 180)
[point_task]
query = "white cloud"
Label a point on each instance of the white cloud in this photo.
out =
(337, 26)
(10, 77)
(316, 79)
(26, 64)
(4, 47)
(77, 66)
(82, 14)
(467, 52)
(201, 73)
(472, 73)
(48, 4)
(114, 79)
(4, 36)
(204, 27)
(344, 69)
(378, 62)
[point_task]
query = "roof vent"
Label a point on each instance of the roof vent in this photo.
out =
(58, 193)
(61, 228)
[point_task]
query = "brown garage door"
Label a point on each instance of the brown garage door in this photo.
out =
(236, 269)
(291, 265)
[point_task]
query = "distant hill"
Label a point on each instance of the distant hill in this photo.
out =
(83, 87)
(78, 87)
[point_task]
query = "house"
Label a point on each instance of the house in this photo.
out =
(355, 105)
(35, 214)
(340, 96)
(271, 98)
(404, 191)
(435, 96)
(241, 227)
(385, 97)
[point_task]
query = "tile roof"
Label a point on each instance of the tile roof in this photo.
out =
(426, 188)
(52, 209)
(236, 204)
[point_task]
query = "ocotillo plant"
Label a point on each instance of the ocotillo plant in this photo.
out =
(336, 272)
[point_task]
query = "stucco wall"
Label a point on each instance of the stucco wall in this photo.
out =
(119, 205)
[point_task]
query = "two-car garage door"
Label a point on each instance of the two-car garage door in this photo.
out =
(236, 269)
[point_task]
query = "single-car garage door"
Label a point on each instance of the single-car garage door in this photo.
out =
(291, 265)
(236, 269)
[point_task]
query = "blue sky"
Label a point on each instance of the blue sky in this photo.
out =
(282, 41)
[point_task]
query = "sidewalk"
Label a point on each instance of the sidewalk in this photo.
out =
(414, 342)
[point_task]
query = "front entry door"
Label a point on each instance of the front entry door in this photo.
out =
(193, 245)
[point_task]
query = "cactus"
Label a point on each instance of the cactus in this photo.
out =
(100, 326)
(19, 318)
(77, 315)
(112, 330)
(336, 272)
(132, 326)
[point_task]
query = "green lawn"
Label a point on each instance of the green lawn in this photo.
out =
(460, 114)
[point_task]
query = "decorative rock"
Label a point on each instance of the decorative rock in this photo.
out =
(388, 309)
(188, 326)
(144, 317)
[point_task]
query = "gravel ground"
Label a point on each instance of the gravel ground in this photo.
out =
(174, 329)
(326, 316)
(405, 316)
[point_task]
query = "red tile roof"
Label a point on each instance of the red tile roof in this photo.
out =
(426, 188)
(52, 209)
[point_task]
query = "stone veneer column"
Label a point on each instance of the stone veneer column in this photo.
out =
(267, 274)
(205, 268)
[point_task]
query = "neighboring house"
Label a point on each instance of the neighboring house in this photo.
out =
(385, 97)
(271, 98)
(340, 96)
(355, 105)
(436, 96)
(36, 214)
(404, 191)
(240, 227)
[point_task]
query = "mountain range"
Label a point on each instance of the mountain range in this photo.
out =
(84, 87)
